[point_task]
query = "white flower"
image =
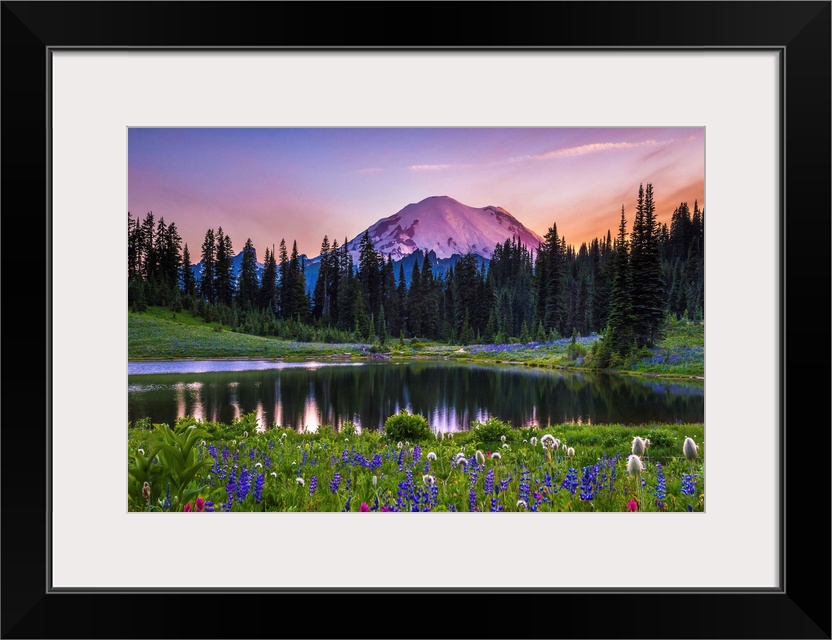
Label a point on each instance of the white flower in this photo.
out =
(534, 441)
(375, 480)
(480, 457)
(440, 435)
(300, 481)
(522, 503)
(451, 435)
(570, 452)
(284, 434)
(141, 451)
(258, 464)
(399, 446)
(428, 480)
(639, 446)
(502, 438)
(245, 434)
(690, 449)
(495, 456)
(431, 455)
(564, 447)
(634, 466)
(273, 474)
(505, 446)
(548, 441)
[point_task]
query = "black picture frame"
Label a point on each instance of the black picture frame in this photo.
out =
(800, 608)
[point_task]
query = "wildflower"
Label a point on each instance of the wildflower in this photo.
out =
(480, 457)
(284, 434)
(502, 438)
(564, 447)
(141, 451)
(534, 441)
(505, 446)
(690, 449)
(313, 484)
(146, 491)
(364, 507)
(258, 464)
(522, 503)
(300, 481)
(570, 452)
(632, 505)
(451, 435)
(375, 480)
(548, 441)
(399, 446)
(335, 482)
(187, 508)
(200, 504)
(431, 455)
(273, 474)
(634, 465)
(245, 434)
(495, 456)
(639, 446)
(440, 435)
(428, 480)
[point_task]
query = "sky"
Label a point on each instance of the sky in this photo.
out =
(300, 184)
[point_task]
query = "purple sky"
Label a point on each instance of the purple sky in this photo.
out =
(299, 184)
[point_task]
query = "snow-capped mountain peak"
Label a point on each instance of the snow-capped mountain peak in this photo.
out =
(447, 227)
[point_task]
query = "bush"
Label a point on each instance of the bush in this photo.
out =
(491, 431)
(404, 425)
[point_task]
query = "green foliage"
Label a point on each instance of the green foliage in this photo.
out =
(349, 429)
(172, 461)
(408, 426)
(491, 431)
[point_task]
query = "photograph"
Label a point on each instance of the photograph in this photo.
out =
(504, 319)
(415, 261)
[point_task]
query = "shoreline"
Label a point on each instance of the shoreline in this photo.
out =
(370, 358)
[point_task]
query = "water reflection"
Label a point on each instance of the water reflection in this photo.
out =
(452, 395)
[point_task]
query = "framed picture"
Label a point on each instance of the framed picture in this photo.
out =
(78, 77)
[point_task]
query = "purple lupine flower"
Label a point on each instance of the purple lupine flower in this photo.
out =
(258, 487)
(689, 484)
(661, 486)
(335, 482)
(570, 482)
(313, 484)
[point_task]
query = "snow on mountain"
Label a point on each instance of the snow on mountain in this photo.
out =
(446, 227)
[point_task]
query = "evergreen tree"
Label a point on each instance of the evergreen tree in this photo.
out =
(321, 300)
(206, 282)
(414, 302)
(619, 334)
(283, 280)
(224, 269)
(249, 288)
(647, 290)
(268, 284)
(188, 279)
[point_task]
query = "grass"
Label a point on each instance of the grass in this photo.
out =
(250, 469)
(159, 333)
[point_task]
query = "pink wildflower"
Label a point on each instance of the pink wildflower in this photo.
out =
(200, 504)
(364, 507)
(632, 505)
(187, 508)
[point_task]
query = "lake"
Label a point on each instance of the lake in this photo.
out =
(450, 394)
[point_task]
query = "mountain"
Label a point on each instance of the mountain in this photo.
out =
(447, 228)
(440, 226)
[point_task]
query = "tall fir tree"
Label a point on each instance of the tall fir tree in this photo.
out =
(207, 273)
(248, 292)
